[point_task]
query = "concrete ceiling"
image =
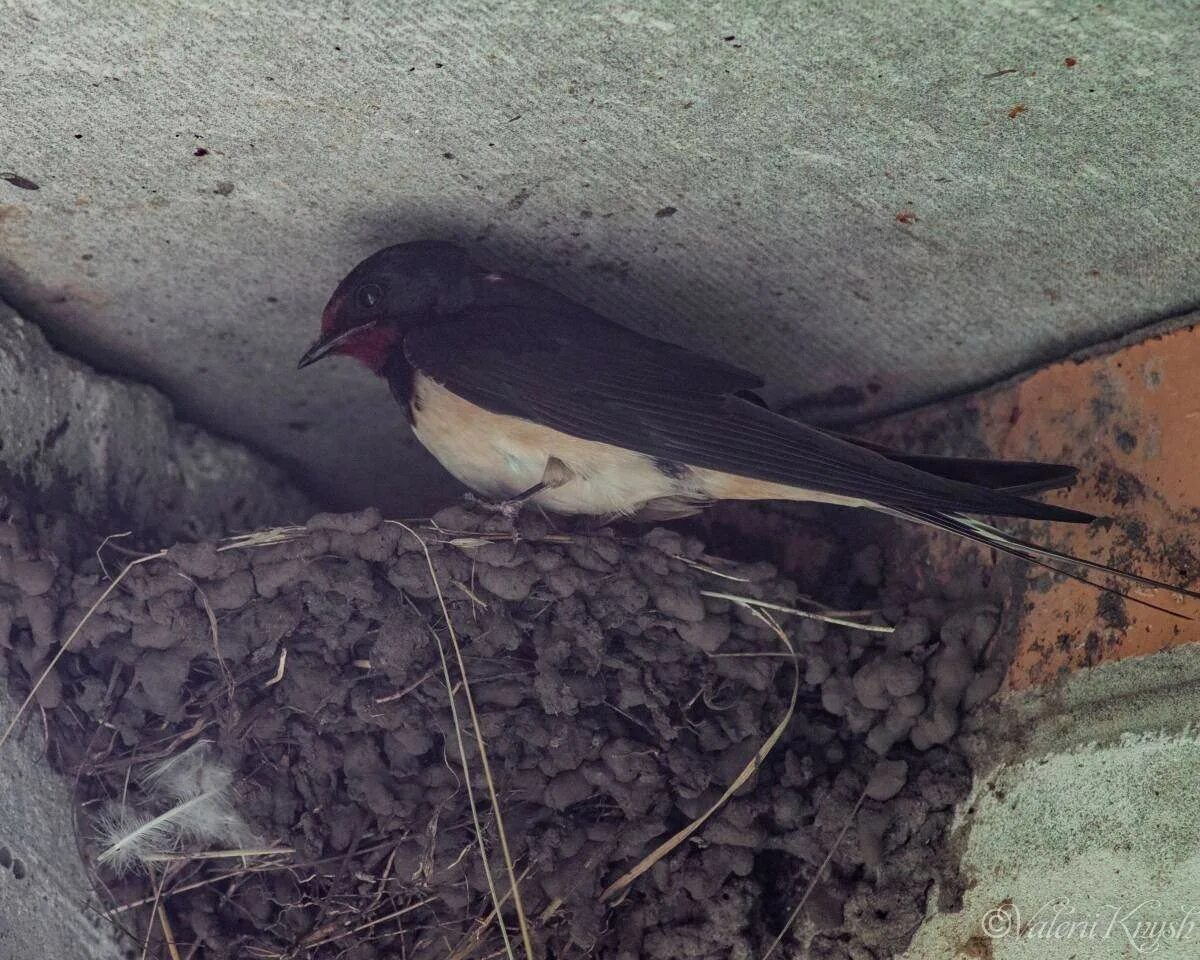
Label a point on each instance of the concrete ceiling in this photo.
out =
(899, 199)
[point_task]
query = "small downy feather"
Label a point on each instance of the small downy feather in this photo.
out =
(192, 793)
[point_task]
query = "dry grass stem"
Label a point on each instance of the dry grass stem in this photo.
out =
(217, 854)
(279, 669)
(707, 569)
(663, 849)
(309, 944)
(470, 595)
(230, 875)
(471, 940)
(66, 644)
(527, 940)
(812, 884)
(104, 543)
(807, 614)
(158, 886)
(168, 933)
(263, 538)
(407, 690)
(230, 686)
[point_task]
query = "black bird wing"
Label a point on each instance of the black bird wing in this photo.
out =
(1014, 476)
(601, 381)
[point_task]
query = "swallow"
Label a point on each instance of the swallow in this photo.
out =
(526, 396)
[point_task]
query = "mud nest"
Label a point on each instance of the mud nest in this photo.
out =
(617, 699)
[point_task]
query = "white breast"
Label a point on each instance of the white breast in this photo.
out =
(500, 456)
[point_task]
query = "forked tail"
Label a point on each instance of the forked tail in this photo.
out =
(982, 533)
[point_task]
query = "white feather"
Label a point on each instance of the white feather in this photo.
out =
(192, 793)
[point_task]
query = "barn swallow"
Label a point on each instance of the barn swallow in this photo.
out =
(526, 396)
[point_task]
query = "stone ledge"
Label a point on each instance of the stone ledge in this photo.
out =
(110, 451)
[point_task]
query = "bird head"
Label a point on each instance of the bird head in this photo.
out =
(388, 293)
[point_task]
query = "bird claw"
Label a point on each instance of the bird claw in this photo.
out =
(555, 475)
(509, 509)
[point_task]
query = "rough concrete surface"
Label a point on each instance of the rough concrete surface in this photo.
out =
(111, 452)
(43, 889)
(898, 199)
(1082, 842)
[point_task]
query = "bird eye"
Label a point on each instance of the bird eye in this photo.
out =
(368, 295)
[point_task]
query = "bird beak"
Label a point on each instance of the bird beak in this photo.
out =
(326, 343)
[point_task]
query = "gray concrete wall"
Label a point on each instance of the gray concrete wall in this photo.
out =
(897, 199)
(111, 454)
(47, 908)
(1079, 837)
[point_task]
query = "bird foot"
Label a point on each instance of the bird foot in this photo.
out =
(555, 475)
(509, 509)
